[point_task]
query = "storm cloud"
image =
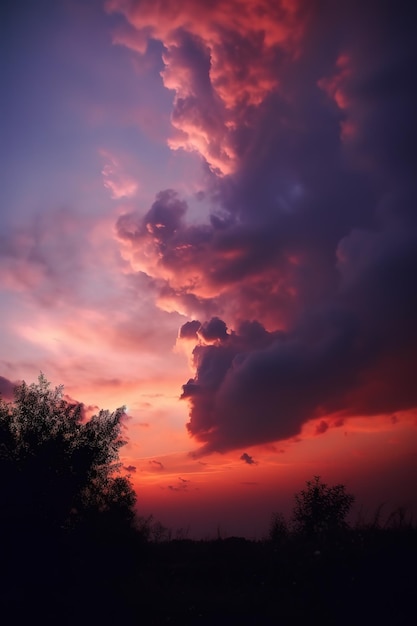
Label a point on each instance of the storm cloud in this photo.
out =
(300, 282)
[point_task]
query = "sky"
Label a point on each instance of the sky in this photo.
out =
(209, 216)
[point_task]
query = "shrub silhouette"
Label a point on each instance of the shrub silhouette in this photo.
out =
(320, 510)
(278, 530)
(57, 470)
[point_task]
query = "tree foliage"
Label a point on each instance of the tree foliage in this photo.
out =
(320, 509)
(58, 470)
(278, 530)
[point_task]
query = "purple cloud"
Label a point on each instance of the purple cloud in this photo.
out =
(304, 272)
(6, 388)
(247, 458)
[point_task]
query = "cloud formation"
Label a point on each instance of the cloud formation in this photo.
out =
(303, 272)
(181, 485)
(156, 465)
(6, 388)
(247, 458)
(115, 180)
(220, 59)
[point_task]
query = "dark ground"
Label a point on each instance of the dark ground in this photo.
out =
(369, 577)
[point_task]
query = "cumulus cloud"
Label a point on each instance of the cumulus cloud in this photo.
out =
(220, 59)
(305, 119)
(224, 266)
(256, 386)
(189, 330)
(213, 331)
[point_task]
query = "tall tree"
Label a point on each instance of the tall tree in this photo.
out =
(58, 470)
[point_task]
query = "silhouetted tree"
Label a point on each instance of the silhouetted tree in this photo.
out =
(321, 510)
(278, 530)
(57, 470)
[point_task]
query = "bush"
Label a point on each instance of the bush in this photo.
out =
(321, 510)
(62, 471)
(278, 530)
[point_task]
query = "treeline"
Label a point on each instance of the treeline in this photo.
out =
(73, 550)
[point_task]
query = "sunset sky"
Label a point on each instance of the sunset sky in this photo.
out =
(209, 215)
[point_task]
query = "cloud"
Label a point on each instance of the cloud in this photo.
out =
(6, 388)
(259, 387)
(51, 256)
(225, 265)
(115, 180)
(220, 59)
(299, 283)
(248, 459)
(189, 330)
(156, 465)
(87, 410)
(213, 331)
(322, 427)
(181, 485)
(130, 468)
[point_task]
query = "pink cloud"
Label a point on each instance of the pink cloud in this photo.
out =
(115, 180)
(199, 269)
(337, 87)
(309, 234)
(220, 58)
